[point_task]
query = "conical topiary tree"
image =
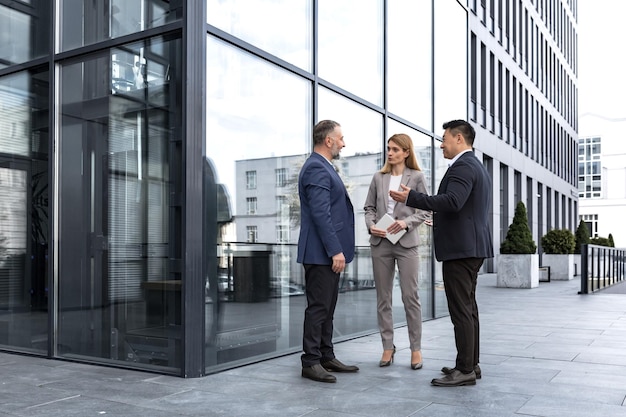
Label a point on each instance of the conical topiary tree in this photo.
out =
(611, 241)
(519, 239)
(582, 236)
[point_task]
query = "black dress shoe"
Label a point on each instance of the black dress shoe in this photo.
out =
(317, 373)
(448, 371)
(334, 365)
(455, 379)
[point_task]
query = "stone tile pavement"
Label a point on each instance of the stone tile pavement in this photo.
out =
(546, 351)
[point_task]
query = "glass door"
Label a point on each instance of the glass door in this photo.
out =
(119, 297)
(24, 279)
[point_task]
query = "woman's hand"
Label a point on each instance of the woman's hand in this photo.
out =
(396, 227)
(374, 231)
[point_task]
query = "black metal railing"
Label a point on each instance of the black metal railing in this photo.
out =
(601, 267)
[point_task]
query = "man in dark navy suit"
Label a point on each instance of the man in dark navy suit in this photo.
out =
(325, 246)
(462, 242)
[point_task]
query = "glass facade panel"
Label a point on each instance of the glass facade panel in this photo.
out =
(118, 298)
(258, 131)
(24, 222)
(440, 168)
(409, 61)
(450, 62)
(125, 248)
(24, 32)
(84, 23)
(423, 151)
(351, 46)
(240, 18)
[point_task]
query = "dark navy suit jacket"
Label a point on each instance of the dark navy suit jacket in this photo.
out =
(327, 215)
(461, 210)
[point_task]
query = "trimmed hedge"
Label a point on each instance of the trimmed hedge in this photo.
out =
(558, 242)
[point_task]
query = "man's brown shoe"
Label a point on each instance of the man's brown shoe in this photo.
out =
(455, 379)
(448, 371)
(334, 365)
(317, 373)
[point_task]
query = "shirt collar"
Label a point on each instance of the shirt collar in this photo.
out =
(453, 160)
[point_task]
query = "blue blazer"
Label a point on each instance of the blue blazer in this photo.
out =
(326, 214)
(461, 211)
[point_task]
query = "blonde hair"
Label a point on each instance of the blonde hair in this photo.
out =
(406, 144)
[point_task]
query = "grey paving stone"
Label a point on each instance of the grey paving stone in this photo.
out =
(546, 351)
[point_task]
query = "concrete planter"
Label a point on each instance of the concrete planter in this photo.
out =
(561, 266)
(518, 271)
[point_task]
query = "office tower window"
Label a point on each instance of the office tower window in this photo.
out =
(251, 205)
(250, 180)
(282, 205)
(24, 31)
(282, 234)
(82, 23)
(252, 234)
(281, 177)
(504, 201)
(352, 43)
(589, 167)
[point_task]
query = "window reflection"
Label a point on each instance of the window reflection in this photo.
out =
(83, 24)
(241, 19)
(351, 46)
(450, 62)
(24, 222)
(24, 32)
(255, 280)
(363, 131)
(423, 153)
(119, 298)
(409, 60)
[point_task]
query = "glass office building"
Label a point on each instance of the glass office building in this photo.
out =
(149, 154)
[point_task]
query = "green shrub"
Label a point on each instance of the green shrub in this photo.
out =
(582, 236)
(611, 241)
(558, 242)
(600, 241)
(519, 239)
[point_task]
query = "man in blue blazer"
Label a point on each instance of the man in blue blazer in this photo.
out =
(462, 241)
(325, 246)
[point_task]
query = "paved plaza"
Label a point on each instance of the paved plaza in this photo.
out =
(546, 351)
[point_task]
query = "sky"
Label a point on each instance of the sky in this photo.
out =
(602, 58)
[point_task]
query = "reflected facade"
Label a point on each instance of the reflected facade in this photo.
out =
(118, 298)
(149, 164)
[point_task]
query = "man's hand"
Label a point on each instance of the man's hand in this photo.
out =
(339, 263)
(400, 196)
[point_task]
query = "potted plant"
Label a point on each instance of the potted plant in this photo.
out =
(558, 247)
(582, 238)
(518, 263)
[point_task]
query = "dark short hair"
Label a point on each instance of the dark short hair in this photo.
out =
(464, 128)
(323, 129)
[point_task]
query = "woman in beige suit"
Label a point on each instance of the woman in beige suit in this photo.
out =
(401, 168)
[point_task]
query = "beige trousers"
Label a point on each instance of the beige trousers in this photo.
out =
(385, 257)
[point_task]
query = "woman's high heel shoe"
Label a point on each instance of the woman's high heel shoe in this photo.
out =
(417, 365)
(390, 361)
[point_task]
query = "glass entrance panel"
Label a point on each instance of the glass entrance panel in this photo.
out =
(258, 136)
(24, 223)
(119, 298)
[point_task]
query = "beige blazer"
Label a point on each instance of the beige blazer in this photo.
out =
(376, 206)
